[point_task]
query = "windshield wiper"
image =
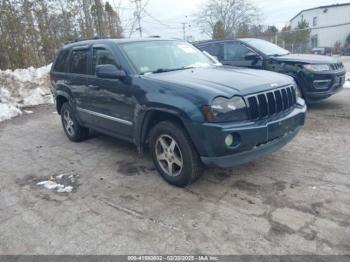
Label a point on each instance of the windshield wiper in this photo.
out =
(163, 70)
(276, 55)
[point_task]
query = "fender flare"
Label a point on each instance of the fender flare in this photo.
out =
(64, 94)
(144, 118)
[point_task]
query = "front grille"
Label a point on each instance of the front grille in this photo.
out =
(270, 103)
(337, 66)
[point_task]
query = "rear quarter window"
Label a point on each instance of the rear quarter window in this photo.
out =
(61, 61)
(79, 62)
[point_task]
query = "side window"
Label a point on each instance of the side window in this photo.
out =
(79, 61)
(235, 51)
(213, 49)
(61, 60)
(102, 56)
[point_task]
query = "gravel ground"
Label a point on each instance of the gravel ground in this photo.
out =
(295, 201)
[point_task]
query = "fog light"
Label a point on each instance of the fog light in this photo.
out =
(229, 140)
(322, 84)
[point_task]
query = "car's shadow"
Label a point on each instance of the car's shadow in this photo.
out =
(135, 164)
(327, 104)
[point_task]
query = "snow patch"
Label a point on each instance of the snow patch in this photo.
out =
(23, 87)
(7, 111)
(48, 184)
(63, 183)
(53, 185)
(66, 189)
(347, 80)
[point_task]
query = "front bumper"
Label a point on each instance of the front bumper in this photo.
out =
(322, 85)
(247, 156)
(253, 139)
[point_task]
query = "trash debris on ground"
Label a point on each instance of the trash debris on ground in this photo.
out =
(63, 183)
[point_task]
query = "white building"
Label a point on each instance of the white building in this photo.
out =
(329, 24)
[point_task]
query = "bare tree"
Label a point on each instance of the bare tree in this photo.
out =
(31, 31)
(229, 14)
(97, 13)
(112, 21)
(87, 24)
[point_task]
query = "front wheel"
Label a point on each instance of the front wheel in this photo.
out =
(173, 154)
(74, 131)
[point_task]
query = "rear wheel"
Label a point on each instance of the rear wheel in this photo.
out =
(74, 131)
(173, 154)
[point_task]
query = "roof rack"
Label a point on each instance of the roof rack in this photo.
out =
(84, 39)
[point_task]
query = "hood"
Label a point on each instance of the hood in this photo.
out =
(307, 59)
(224, 81)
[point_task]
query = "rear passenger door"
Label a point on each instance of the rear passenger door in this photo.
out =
(110, 100)
(78, 71)
(59, 72)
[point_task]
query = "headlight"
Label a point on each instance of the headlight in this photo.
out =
(298, 93)
(316, 68)
(227, 110)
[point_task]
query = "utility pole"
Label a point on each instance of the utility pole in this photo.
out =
(137, 14)
(184, 30)
(184, 25)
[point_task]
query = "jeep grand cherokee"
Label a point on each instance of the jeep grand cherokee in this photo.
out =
(170, 96)
(318, 77)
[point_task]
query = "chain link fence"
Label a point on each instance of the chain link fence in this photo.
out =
(307, 41)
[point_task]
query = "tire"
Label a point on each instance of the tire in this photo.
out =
(171, 146)
(74, 131)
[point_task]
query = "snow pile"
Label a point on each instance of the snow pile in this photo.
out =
(347, 80)
(23, 87)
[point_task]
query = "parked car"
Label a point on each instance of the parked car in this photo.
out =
(169, 96)
(322, 51)
(318, 77)
(346, 51)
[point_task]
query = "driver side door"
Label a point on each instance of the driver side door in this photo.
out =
(235, 54)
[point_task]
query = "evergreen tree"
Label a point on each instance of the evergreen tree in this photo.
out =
(219, 30)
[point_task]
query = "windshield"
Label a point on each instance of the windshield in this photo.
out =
(267, 48)
(163, 56)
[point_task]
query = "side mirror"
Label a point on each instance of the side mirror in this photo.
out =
(109, 71)
(252, 56)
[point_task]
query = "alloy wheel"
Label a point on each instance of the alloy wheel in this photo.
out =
(68, 123)
(169, 155)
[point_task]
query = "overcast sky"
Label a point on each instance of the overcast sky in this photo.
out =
(164, 17)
